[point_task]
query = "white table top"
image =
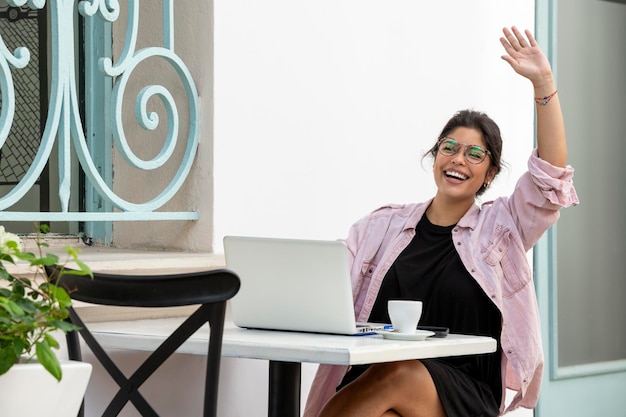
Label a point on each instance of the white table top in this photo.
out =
(288, 346)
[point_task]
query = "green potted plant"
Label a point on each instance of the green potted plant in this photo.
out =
(33, 312)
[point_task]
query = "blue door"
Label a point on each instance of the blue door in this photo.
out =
(579, 265)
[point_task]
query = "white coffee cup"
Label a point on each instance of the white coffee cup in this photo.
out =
(404, 315)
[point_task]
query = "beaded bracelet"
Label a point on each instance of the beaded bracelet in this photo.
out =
(544, 100)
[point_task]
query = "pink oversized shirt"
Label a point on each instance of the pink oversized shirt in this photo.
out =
(492, 241)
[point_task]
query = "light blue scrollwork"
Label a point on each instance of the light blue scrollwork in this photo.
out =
(33, 4)
(19, 59)
(64, 122)
(108, 9)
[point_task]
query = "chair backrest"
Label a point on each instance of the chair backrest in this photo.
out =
(209, 289)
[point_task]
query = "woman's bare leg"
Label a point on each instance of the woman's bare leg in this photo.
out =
(395, 389)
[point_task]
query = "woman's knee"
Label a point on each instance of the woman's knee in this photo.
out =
(407, 387)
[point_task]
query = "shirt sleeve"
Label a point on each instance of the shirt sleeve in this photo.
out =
(538, 197)
(555, 183)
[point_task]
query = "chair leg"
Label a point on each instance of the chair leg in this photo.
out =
(216, 314)
(74, 354)
(127, 389)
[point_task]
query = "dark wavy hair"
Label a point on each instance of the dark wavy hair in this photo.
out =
(484, 124)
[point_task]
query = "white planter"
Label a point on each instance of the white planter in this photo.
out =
(28, 390)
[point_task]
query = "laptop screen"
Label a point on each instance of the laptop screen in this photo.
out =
(291, 284)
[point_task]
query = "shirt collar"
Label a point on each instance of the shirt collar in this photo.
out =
(469, 219)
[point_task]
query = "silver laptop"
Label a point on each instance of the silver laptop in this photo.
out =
(290, 284)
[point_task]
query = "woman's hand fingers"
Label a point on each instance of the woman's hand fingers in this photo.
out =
(531, 38)
(524, 55)
(516, 41)
(514, 38)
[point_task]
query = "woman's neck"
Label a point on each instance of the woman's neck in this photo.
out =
(446, 213)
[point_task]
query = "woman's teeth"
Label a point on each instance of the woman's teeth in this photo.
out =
(456, 175)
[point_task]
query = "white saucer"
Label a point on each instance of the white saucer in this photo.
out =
(418, 335)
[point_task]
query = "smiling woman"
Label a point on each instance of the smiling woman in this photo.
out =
(461, 260)
(488, 142)
(459, 178)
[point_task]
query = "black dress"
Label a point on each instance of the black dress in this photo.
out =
(430, 269)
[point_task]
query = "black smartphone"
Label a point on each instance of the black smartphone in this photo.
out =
(439, 331)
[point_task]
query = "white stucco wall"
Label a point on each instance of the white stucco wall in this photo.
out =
(323, 109)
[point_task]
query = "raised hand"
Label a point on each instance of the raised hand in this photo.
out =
(525, 56)
(527, 59)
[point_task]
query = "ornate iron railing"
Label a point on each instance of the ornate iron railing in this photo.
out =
(63, 124)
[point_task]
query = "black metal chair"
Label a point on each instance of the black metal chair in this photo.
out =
(209, 289)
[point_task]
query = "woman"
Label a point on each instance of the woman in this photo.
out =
(467, 263)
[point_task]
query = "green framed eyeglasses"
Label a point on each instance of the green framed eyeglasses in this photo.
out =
(473, 154)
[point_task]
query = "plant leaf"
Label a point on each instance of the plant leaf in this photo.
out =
(71, 251)
(83, 268)
(65, 326)
(7, 358)
(52, 342)
(49, 260)
(6, 257)
(48, 359)
(60, 295)
(12, 307)
(25, 256)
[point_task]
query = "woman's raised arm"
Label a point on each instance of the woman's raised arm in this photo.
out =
(527, 59)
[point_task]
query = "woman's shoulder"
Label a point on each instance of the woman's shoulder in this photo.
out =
(391, 214)
(385, 221)
(403, 210)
